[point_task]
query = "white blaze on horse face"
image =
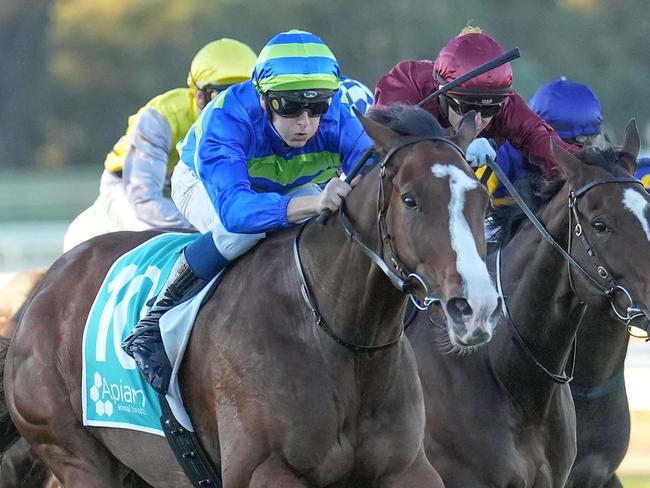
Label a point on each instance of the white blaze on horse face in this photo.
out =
(479, 289)
(636, 203)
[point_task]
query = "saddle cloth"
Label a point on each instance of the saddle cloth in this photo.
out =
(114, 394)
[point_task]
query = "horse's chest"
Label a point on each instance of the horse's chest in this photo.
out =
(541, 458)
(344, 464)
(334, 450)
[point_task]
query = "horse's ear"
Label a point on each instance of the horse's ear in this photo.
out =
(466, 130)
(630, 149)
(383, 137)
(571, 167)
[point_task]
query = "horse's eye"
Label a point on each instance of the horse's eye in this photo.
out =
(409, 201)
(600, 226)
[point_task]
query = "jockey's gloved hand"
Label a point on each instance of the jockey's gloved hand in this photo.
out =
(334, 193)
(479, 152)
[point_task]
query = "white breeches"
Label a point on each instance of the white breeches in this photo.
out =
(191, 198)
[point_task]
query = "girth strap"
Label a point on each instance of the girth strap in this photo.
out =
(189, 452)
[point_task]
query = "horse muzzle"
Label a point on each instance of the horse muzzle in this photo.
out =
(468, 326)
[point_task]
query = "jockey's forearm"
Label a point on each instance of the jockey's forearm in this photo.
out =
(300, 208)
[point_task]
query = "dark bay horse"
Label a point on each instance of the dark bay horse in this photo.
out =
(504, 416)
(276, 399)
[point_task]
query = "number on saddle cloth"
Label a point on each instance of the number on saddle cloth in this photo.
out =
(114, 392)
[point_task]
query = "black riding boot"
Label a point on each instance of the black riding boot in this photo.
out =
(145, 343)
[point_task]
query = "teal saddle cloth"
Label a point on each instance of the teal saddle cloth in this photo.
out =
(114, 393)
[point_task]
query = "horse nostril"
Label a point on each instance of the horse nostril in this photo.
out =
(498, 311)
(458, 309)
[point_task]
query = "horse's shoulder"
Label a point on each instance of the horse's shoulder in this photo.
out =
(281, 238)
(275, 247)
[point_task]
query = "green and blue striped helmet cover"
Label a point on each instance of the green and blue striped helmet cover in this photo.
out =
(296, 60)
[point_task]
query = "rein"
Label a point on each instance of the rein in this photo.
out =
(400, 277)
(556, 378)
(632, 312)
(318, 318)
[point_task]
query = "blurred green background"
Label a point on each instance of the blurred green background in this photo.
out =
(74, 70)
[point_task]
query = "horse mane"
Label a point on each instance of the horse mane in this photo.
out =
(537, 192)
(407, 120)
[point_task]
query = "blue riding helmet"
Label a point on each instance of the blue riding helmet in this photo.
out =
(571, 108)
(356, 94)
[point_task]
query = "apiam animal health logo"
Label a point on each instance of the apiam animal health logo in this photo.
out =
(108, 396)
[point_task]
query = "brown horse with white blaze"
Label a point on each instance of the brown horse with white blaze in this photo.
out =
(278, 398)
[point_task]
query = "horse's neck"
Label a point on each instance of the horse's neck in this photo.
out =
(545, 312)
(602, 347)
(353, 295)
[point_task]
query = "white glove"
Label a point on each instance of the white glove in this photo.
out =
(479, 152)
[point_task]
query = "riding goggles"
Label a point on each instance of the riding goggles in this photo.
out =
(463, 106)
(314, 102)
(211, 90)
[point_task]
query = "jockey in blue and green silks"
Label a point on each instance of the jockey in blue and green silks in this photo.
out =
(254, 162)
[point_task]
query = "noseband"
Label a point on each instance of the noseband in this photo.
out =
(404, 280)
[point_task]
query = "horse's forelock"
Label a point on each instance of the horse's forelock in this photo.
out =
(407, 120)
(600, 158)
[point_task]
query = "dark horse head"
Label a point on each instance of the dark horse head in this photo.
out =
(610, 223)
(434, 230)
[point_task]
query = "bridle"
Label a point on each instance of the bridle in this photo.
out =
(404, 280)
(632, 312)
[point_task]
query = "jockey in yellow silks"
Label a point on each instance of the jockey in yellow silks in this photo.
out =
(135, 185)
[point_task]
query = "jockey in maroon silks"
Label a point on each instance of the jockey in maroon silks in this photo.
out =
(501, 112)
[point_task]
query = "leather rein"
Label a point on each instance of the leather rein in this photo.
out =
(632, 312)
(402, 279)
